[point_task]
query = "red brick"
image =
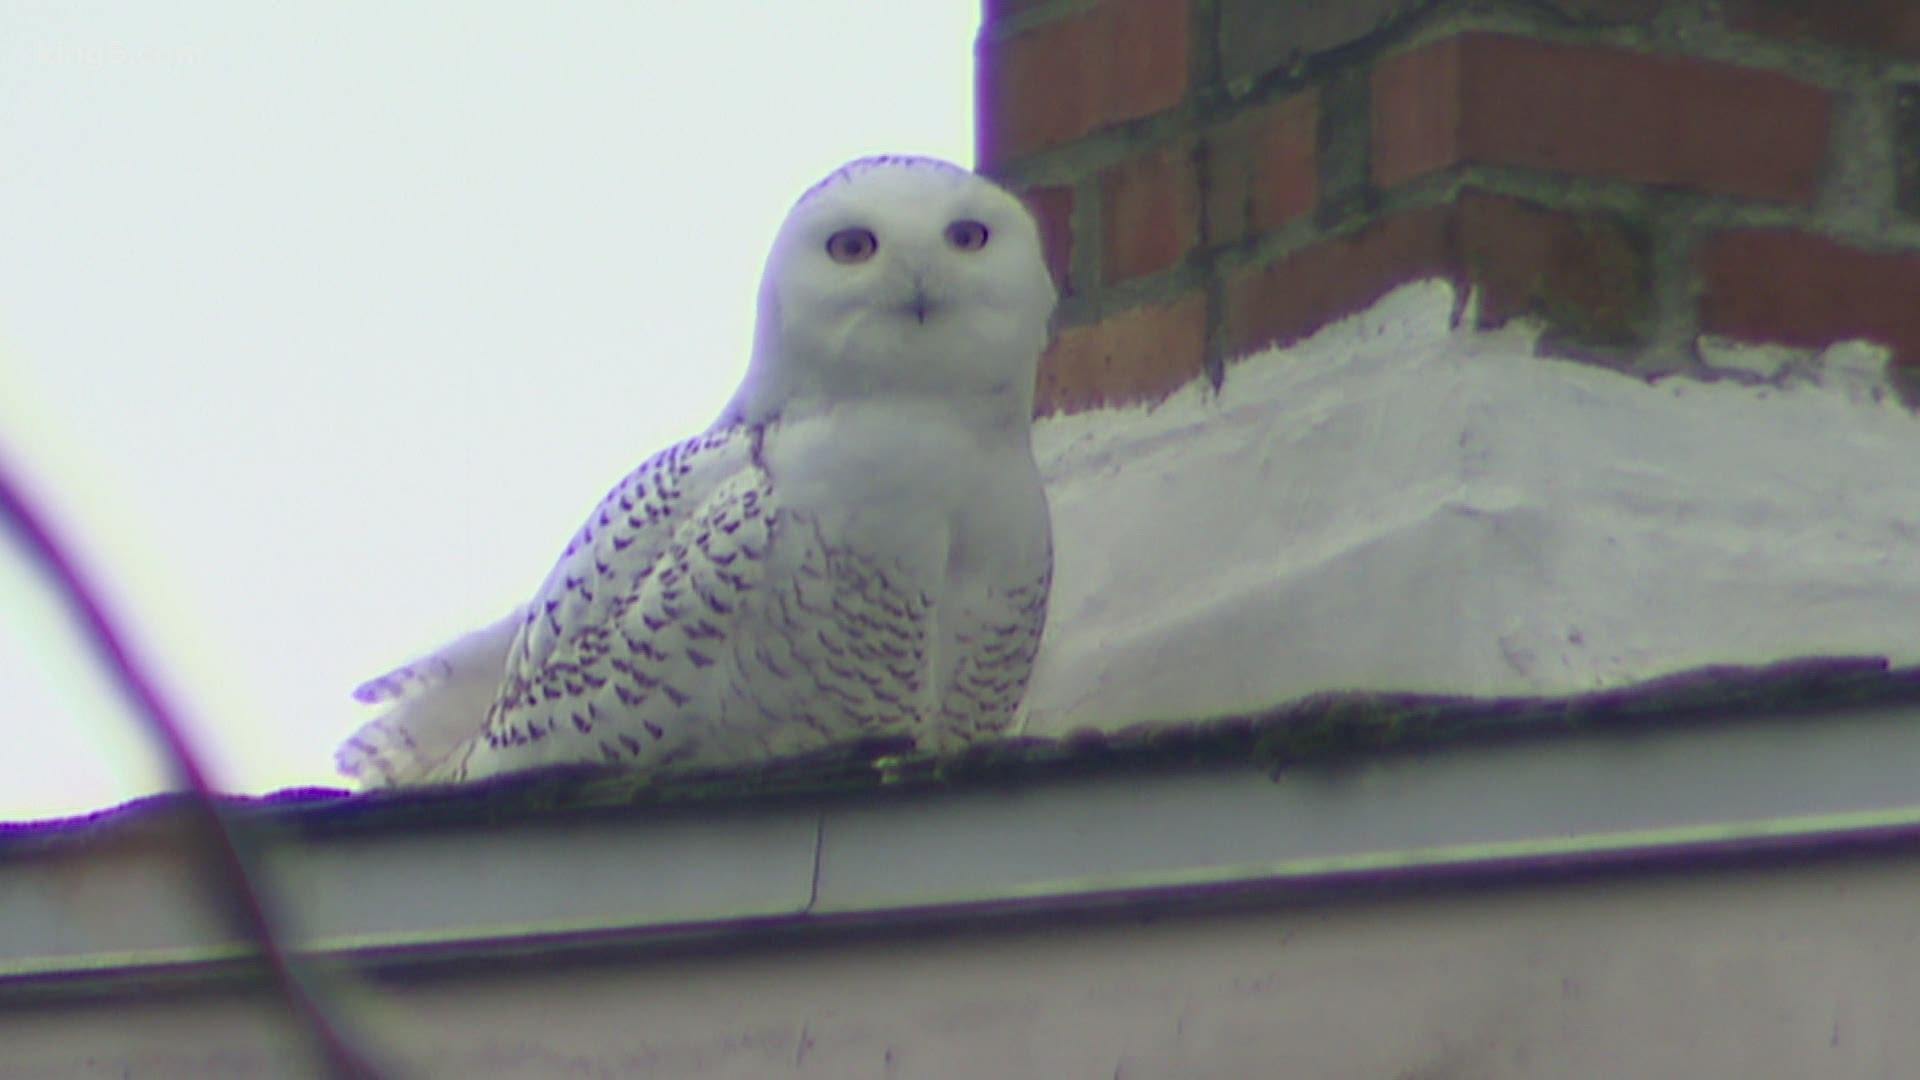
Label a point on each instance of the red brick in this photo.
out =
(1288, 299)
(1263, 169)
(1258, 36)
(992, 11)
(1139, 355)
(1119, 61)
(1053, 211)
(1602, 12)
(1906, 149)
(1587, 277)
(1492, 99)
(1883, 26)
(1806, 290)
(1149, 212)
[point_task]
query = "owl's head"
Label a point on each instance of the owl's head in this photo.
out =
(900, 276)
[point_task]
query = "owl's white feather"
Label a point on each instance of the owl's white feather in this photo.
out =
(859, 545)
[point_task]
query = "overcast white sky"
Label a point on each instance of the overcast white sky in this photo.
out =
(321, 327)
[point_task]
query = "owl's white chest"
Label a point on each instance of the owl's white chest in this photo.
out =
(958, 506)
(953, 517)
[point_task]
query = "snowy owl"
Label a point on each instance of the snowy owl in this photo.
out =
(858, 546)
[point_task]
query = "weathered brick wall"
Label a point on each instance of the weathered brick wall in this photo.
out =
(1214, 176)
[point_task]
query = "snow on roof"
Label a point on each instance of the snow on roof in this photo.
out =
(1397, 504)
(1395, 534)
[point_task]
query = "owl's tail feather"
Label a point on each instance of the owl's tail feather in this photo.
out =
(436, 704)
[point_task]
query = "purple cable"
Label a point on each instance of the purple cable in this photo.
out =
(231, 863)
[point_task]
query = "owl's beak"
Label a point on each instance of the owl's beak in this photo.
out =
(919, 303)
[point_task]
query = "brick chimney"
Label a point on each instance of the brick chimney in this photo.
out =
(1216, 176)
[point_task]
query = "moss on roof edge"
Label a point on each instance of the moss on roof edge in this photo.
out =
(1323, 729)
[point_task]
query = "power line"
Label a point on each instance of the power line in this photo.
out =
(232, 864)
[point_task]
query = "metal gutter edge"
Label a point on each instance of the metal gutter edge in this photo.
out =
(412, 905)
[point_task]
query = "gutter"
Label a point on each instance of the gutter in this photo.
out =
(414, 884)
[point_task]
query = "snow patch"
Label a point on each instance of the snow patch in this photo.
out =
(1399, 505)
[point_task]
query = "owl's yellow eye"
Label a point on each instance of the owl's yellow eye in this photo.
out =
(852, 245)
(967, 235)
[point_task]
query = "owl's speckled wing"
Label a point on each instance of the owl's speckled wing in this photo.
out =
(696, 620)
(442, 704)
(745, 637)
(433, 705)
(621, 636)
(994, 649)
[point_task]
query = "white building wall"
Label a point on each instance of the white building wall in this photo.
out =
(1802, 969)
